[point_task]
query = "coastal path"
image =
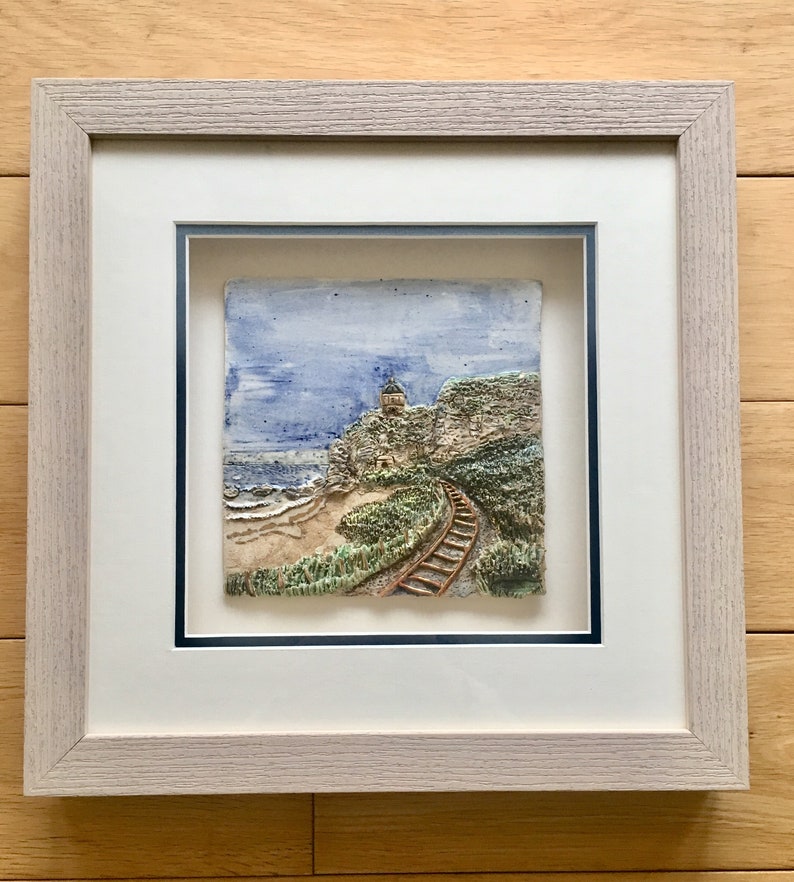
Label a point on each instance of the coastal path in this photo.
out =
(437, 569)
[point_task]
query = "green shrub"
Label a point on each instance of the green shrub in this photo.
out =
(512, 569)
(385, 533)
(419, 472)
(507, 479)
(403, 510)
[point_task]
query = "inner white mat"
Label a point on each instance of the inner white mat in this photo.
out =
(559, 264)
(139, 683)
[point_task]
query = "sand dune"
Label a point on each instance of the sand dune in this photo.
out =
(304, 529)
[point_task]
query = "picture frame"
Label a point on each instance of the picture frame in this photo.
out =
(62, 755)
(556, 252)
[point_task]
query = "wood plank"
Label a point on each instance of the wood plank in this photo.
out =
(509, 832)
(376, 762)
(711, 436)
(766, 280)
(407, 109)
(766, 288)
(57, 604)
(694, 876)
(59, 421)
(717, 876)
(768, 490)
(13, 463)
(133, 836)
(409, 39)
(14, 290)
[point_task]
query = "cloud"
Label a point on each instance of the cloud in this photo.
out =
(307, 358)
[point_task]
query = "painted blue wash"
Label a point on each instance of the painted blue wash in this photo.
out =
(305, 359)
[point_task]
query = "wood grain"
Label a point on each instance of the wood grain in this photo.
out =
(695, 876)
(719, 876)
(766, 280)
(496, 39)
(340, 109)
(372, 762)
(58, 436)
(13, 470)
(13, 290)
(90, 838)
(504, 832)
(65, 114)
(768, 488)
(406, 39)
(766, 286)
(768, 470)
(711, 454)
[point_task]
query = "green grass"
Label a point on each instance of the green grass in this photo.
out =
(510, 569)
(381, 533)
(403, 510)
(506, 478)
(420, 471)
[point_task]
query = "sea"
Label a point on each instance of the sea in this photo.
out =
(247, 475)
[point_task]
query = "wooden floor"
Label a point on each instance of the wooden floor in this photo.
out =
(735, 837)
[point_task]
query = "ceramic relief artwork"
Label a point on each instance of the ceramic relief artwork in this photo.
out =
(383, 438)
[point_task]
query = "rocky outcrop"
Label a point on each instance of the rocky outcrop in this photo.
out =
(469, 412)
(377, 441)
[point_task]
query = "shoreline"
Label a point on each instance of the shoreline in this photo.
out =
(297, 528)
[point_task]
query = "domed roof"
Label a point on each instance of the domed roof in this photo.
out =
(392, 387)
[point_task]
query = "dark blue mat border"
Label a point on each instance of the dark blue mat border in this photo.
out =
(586, 232)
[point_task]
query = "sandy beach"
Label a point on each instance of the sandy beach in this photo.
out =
(305, 528)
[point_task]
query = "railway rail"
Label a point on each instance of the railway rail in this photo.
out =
(435, 572)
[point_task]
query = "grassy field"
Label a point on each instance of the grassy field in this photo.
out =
(506, 478)
(380, 534)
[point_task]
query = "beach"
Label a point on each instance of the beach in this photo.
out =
(270, 535)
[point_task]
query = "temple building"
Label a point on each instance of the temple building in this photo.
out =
(392, 398)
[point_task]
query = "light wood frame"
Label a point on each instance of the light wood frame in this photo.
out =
(60, 758)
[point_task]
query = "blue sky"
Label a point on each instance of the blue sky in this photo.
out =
(306, 358)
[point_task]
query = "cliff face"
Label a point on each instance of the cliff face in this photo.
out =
(472, 411)
(468, 412)
(376, 441)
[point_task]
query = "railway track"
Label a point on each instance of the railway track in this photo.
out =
(434, 572)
